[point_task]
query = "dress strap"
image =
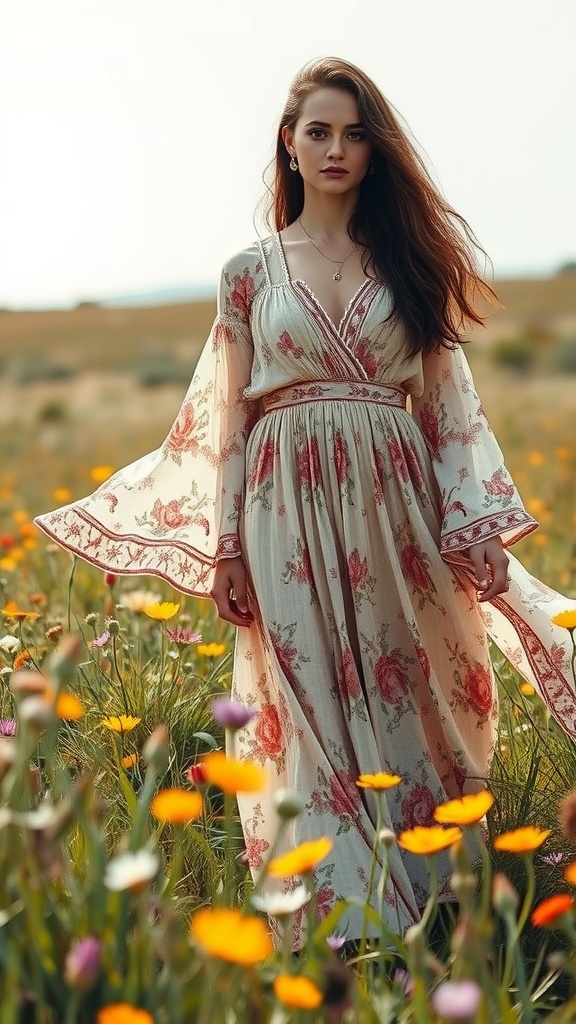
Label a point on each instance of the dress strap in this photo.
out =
(282, 256)
(264, 261)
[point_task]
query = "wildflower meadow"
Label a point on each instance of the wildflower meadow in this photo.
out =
(126, 896)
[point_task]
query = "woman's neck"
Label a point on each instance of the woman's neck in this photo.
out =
(327, 217)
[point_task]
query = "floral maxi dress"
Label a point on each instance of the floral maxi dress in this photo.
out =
(369, 651)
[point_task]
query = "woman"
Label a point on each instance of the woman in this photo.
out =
(358, 546)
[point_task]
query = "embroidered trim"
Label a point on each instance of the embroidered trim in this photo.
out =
(228, 546)
(491, 526)
(557, 693)
(345, 390)
(179, 564)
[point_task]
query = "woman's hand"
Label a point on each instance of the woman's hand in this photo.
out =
(230, 592)
(490, 563)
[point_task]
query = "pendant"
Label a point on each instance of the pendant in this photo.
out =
(337, 277)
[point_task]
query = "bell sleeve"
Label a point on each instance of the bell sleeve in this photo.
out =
(478, 499)
(174, 512)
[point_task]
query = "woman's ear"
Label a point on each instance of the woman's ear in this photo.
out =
(288, 139)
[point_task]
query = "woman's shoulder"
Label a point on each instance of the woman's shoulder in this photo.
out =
(244, 275)
(251, 259)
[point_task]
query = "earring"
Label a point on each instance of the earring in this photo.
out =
(293, 164)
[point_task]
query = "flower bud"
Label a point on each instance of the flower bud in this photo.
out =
(27, 682)
(91, 619)
(231, 713)
(113, 627)
(65, 658)
(156, 750)
(55, 632)
(557, 961)
(387, 837)
(196, 774)
(504, 896)
(289, 804)
(8, 753)
(110, 579)
(36, 713)
(82, 964)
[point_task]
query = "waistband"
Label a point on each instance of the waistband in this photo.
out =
(333, 390)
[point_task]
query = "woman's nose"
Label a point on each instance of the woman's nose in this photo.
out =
(335, 149)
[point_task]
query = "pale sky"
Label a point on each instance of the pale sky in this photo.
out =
(134, 133)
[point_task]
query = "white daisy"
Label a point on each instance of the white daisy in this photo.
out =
(131, 870)
(281, 904)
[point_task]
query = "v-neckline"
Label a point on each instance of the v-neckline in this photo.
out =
(292, 282)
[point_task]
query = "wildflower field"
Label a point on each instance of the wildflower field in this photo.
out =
(125, 896)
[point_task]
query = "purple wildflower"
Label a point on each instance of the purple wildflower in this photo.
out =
(183, 636)
(7, 727)
(100, 641)
(553, 859)
(456, 1000)
(82, 964)
(404, 980)
(231, 713)
(335, 941)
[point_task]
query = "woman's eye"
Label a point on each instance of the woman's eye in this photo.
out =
(316, 133)
(356, 136)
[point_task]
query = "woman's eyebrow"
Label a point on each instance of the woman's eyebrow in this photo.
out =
(326, 124)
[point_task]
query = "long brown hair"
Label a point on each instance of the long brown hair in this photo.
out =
(415, 242)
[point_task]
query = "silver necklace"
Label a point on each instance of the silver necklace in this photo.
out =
(337, 276)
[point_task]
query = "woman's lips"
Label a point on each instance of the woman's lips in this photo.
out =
(334, 172)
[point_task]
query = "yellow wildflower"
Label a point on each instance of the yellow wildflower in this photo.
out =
(99, 474)
(302, 859)
(61, 494)
(211, 650)
(120, 723)
(379, 781)
(161, 611)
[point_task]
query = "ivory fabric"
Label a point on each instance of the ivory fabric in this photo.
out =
(295, 446)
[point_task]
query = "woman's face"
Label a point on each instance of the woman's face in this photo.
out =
(330, 142)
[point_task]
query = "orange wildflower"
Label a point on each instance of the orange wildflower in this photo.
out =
(231, 775)
(570, 873)
(566, 619)
(129, 761)
(551, 909)
(21, 660)
(521, 840)
(425, 840)
(12, 611)
(467, 810)
(69, 706)
(231, 935)
(302, 859)
(123, 1013)
(176, 806)
(297, 991)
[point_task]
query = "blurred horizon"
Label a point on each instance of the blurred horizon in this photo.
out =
(134, 135)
